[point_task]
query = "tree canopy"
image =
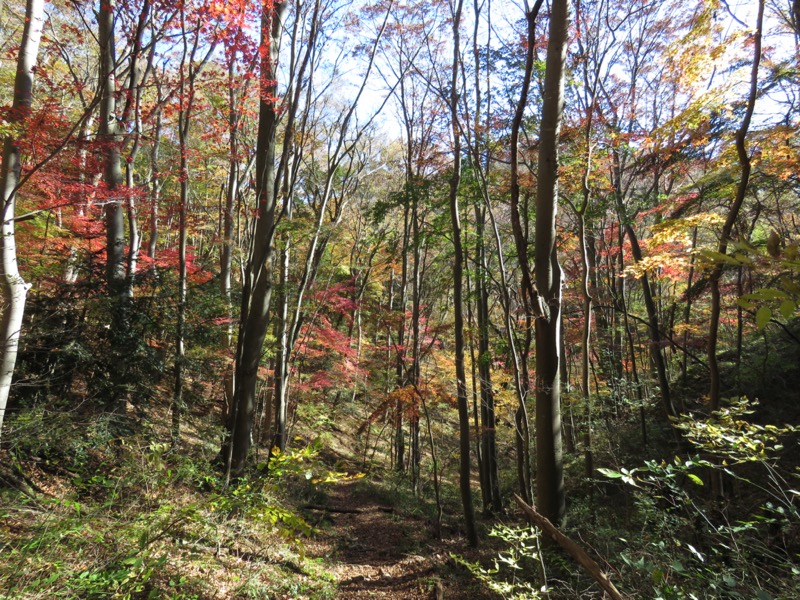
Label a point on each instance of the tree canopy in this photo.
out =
(481, 250)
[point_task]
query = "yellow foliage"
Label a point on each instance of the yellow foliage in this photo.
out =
(674, 231)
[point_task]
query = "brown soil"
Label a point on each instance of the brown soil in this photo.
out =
(376, 552)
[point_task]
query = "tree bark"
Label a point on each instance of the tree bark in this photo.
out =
(458, 284)
(257, 287)
(656, 356)
(529, 294)
(13, 288)
(550, 471)
(109, 139)
(733, 213)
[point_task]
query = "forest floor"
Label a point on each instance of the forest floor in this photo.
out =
(375, 551)
(88, 517)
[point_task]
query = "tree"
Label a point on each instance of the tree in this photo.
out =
(12, 286)
(108, 138)
(257, 285)
(190, 67)
(550, 471)
(458, 284)
(529, 294)
(733, 213)
(480, 161)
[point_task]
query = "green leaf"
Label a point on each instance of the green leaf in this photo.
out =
(610, 473)
(694, 478)
(746, 303)
(718, 257)
(763, 316)
(787, 308)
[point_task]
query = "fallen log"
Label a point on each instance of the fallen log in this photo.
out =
(332, 509)
(573, 549)
(353, 511)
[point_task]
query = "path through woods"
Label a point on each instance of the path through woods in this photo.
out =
(374, 551)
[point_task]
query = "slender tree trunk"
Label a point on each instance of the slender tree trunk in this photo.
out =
(481, 160)
(458, 284)
(656, 338)
(587, 333)
(488, 436)
(108, 137)
(529, 294)
(257, 286)
(476, 419)
(231, 191)
(687, 312)
(13, 289)
(132, 106)
(109, 140)
(416, 341)
(155, 183)
(183, 138)
(281, 393)
(398, 445)
(399, 437)
(733, 213)
(550, 473)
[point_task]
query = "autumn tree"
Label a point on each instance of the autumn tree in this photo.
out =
(549, 464)
(458, 284)
(257, 285)
(733, 213)
(12, 286)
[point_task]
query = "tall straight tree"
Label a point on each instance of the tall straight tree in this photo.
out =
(480, 159)
(529, 294)
(550, 473)
(458, 284)
(258, 284)
(109, 139)
(188, 72)
(13, 288)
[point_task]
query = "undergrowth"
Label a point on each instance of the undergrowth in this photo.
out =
(95, 515)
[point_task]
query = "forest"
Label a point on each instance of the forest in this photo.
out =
(400, 299)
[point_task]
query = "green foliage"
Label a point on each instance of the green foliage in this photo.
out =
(136, 519)
(779, 299)
(691, 549)
(727, 434)
(510, 574)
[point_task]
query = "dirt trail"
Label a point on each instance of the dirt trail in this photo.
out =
(375, 552)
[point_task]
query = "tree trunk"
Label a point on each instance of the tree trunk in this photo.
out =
(521, 244)
(257, 287)
(733, 213)
(550, 472)
(13, 289)
(108, 138)
(656, 357)
(155, 183)
(488, 437)
(458, 284)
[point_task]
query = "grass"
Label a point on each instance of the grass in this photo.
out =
(126, 517)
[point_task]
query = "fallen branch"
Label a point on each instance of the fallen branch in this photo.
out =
(332, 509)
(575, 551)
(353, 511)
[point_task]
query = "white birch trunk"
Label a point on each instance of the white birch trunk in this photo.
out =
(13, 288)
